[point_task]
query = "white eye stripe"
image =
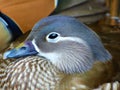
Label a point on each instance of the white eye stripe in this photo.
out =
(71, 39)
(75, 39)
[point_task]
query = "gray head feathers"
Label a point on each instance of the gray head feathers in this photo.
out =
(69, 55)
(73, 27)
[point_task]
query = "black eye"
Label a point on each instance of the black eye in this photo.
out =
(53, 36)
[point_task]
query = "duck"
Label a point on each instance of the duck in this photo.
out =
(59, 54)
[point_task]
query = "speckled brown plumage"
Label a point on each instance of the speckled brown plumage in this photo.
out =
(35, 73)
(31, 73)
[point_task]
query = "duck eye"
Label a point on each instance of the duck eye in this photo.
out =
(53, 37)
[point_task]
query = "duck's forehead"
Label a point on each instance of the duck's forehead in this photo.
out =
(64, 29)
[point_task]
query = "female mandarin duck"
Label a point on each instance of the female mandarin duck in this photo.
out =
(57, 55)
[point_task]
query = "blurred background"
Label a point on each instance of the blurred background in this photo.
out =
(89, 11)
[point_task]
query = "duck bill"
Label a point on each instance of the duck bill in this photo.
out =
(24, 49)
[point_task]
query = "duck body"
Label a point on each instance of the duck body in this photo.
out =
(30, 73)
(36, 73)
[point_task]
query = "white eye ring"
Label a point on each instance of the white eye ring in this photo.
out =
(53, 37)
